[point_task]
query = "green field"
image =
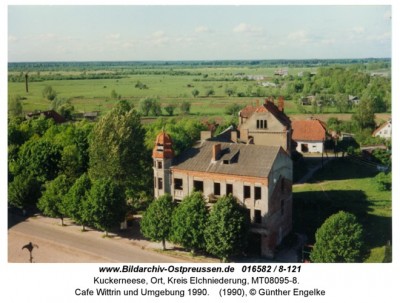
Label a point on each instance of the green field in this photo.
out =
(345, 185)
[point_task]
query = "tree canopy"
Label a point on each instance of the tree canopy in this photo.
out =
(52, 202)
(116, 148)
(189, 221)
(156, 221)
(108, 204)
(226, 229)
(339, 239)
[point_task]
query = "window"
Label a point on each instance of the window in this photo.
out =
(198, 185)
(282, 207)
(262, 124)
(160, 147)
(257, 216)
(248, 214)
(217, 189)
(257, 193)
(229, 189)
(178, 184)
(160, 183)
(246, 191)
(159, 164)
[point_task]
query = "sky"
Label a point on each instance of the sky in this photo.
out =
(202, 32)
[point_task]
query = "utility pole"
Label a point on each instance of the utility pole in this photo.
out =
(26, 82)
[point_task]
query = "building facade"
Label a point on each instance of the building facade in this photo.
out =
(265, 125)
(310, 135)
(259, 176)
(384, 131)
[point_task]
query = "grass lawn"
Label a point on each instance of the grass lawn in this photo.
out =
(348, 186)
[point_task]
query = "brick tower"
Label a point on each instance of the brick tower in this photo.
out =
(162, 161)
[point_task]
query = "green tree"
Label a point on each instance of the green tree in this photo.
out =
(342, 102)
(364, 117)
(209, 92)
(15, 106)
(170, 108)
(339, 239)
(185, 107)
(52, 202)
(189, 221)
(226, 230)
(114, 94)
(156, 221)
(116, 148)
(230, 91)
(233, 109)
(155, 108)
(40, 158)
(195, 92)
(49, 93)
(24, 191)
(76, 200)
(108, 204)
(145, 106)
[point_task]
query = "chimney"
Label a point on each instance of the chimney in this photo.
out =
(205, 134)
(216, 151)
(281, 104)
(234, 136)
(244, 134)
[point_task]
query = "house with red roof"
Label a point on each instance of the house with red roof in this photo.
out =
(384, 130)
(310, 135)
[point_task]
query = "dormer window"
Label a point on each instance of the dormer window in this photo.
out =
(262, 124)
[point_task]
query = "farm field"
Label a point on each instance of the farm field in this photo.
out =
(89, 87)
(345, 185)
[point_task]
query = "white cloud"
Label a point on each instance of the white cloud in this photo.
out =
(300, 36)
(202, 29)
(247, 28)
(114, 36)
(159, 38)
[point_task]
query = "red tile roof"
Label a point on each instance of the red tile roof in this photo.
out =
(163, 147)
(309, 130)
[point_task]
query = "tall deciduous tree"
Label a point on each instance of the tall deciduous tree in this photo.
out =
(227, 227)
(108, 204)
(339, 239)
(116, 148)
(189, 221)
(364, 116)
(77, 203)
(156, 221)
(51, 203)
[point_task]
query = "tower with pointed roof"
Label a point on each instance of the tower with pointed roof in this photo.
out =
(163, 154)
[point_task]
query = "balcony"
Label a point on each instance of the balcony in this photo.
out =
(178, 193)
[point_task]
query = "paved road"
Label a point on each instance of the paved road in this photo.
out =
(69, 245)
